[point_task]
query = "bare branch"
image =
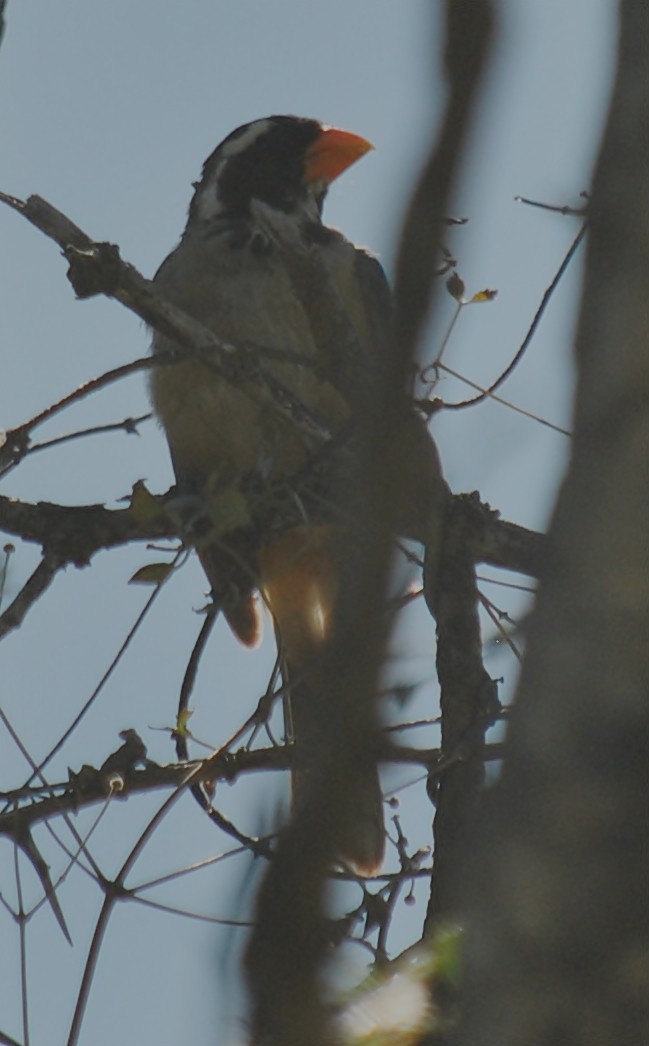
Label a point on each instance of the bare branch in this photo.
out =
(91, 785)
(469, 705)
(73, 534)
(96, 268)
(16, 441)
(511, 366)
(39, 581)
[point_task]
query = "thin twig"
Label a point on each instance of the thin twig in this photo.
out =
(17, 440)
(114, 891)
(564, 208)
(488, 607)
(487, 394)
(203, 918)
(532, 328)
(105, 677)
(128, 425)
(22, 929)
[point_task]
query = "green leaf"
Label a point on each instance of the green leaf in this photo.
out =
(151, 574)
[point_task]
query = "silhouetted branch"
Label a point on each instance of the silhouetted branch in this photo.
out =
(13, 616)
(73, 534)
(91, 785)
(97, 268)
(469, 705)
(558, 930)
(290, 942)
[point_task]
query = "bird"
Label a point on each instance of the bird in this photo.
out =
(305, 318)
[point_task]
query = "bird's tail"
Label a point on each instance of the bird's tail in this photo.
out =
(300, 573)
(233, 592)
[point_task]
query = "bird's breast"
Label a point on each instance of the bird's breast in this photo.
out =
(222, 426)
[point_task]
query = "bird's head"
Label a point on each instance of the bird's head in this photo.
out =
(284, 162)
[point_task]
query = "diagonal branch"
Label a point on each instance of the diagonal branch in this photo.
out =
(97, 268)
(33, 589)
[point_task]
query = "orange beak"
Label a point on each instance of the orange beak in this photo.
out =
(332, 153)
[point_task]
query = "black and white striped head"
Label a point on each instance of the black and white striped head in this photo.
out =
(284, 162)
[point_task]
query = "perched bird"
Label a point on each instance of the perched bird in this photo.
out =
(310, 316)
